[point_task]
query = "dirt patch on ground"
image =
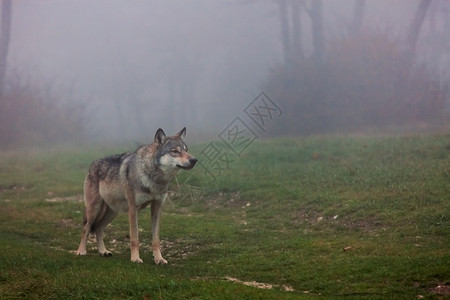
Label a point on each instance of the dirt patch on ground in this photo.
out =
(310, 217)
(75, 198)
(178, 249)
(369, 224)
(68, 223)
(172, 250)
(441, 289)
(13, 187)
(260, 285)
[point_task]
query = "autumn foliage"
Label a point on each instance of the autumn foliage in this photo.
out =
(365, 82)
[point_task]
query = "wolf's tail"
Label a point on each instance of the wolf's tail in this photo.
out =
(99, 218)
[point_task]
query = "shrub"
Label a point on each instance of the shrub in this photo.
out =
(30, 115)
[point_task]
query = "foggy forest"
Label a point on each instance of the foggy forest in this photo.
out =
(111, 70)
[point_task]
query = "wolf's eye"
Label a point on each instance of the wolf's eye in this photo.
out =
(174, 151)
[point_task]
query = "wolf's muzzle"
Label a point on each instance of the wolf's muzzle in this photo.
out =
(192, 162)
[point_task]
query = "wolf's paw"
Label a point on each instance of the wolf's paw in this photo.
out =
(137, 260)
(79, 252)
(161, 261)
(106, 253)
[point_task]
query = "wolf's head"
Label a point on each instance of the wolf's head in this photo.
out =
(172, 151)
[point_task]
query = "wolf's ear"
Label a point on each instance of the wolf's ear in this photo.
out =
(159, 136)
(182, 133)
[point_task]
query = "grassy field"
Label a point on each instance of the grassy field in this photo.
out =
(336, 217)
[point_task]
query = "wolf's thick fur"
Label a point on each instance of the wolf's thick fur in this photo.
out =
(129, 182)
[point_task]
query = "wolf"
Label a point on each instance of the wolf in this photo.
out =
(129, 182)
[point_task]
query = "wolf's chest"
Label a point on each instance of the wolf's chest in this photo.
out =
(144, 199)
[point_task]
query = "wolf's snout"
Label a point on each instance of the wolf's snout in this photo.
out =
(192, 162)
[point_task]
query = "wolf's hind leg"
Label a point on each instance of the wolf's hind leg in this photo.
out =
(93, 208)
(84, 236)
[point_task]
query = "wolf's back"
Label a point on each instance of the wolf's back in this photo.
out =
(107, 168)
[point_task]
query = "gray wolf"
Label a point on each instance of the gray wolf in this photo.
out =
(129, 182)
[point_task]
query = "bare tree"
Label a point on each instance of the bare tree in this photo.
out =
(4, 41)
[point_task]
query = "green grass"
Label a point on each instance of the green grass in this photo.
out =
(319, 217)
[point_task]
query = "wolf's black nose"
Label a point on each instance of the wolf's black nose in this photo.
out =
(193, 160)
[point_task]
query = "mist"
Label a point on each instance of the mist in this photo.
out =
(121, 69)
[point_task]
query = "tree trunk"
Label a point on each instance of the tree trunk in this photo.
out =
(318, 31)
(297, 46)
(4, 42)
(414, 28)
(285, 32)
(358, 16)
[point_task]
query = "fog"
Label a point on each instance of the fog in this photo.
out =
(134, 66)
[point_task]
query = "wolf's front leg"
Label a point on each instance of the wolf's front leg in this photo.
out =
(156, 245)
(134, 238)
